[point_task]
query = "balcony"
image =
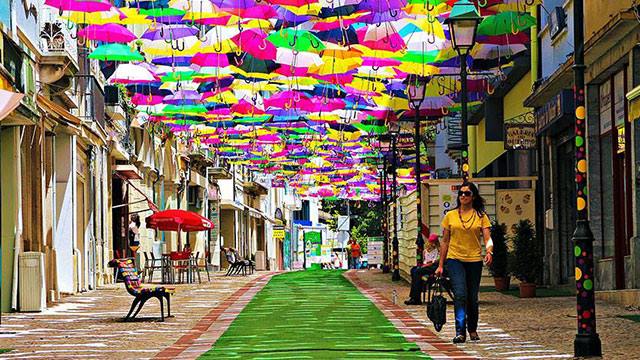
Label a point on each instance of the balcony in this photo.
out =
(59, 62)
(255, 188)
(220, 170)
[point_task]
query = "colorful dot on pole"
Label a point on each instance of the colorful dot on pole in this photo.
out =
(578, 273)
(580, 112)
(577, 250)
(465, 153)
(465, 167)
(582, 165)
(581, 203)
(579, 141)
(588, 284)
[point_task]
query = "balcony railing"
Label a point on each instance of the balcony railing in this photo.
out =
(56, 37)
(454, 134)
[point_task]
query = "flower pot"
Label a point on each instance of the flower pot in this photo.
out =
(527, 290)
(502, 283)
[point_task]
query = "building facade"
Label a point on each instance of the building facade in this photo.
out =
(611, 55)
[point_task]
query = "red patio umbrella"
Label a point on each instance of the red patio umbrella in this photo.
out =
(178, 220)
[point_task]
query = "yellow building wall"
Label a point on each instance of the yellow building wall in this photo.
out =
(513, 100)
(482, 152)
(598, 13)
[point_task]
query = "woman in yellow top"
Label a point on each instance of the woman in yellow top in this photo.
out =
(462, 250)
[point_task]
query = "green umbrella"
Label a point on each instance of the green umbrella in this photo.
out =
(162, 12)
(179, 109)
(419, 57)
(115, 52)
(178, 76)
(371, 129)
(509, 22)
(299, 40)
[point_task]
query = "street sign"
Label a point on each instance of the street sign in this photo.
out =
(278, 233)
(374, 250)
(344, 223)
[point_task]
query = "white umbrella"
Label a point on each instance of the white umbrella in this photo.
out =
(131, 73)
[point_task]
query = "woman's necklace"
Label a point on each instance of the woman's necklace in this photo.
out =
(471, 220)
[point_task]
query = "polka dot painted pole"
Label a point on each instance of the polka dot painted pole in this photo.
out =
(587, 341)
(464, 115)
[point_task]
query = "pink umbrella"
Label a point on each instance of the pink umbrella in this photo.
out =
(82, 6)
(210, 59)
(107, 33)
(259, 12)
(254, 42)
(141, 99)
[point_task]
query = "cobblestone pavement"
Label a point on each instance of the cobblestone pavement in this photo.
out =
(90, 325)
(514, 328)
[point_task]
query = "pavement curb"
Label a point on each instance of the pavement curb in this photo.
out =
(210, 327)
(409, 326)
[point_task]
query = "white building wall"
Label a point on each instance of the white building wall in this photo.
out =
(64, 238)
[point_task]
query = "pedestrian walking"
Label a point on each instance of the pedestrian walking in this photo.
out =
(431, 256)
(355, 253)
(461, 255)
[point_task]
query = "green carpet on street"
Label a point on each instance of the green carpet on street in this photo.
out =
(316, 314)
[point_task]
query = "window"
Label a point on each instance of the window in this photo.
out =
(556, 21)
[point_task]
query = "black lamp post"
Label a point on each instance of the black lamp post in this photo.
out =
(385, 222)
(587, 342)
(463, 25)
(394, 131)
(417, 90)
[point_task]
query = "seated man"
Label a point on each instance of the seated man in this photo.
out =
(429, 265)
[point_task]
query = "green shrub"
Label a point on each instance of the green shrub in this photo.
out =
(499, 267)
(527, 260)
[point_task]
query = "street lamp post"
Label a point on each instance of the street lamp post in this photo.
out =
(385, 223)
(463, 25)
(587, 341)
(417, 92)
(395, 275)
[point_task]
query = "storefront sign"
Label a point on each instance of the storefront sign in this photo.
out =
(278, 234)
(559, 106)
(520, 136)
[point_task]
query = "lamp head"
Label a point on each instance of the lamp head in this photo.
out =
(463, 24)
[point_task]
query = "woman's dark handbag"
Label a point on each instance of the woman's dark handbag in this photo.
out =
(437, 305)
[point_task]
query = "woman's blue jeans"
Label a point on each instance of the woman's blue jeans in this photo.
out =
(465, 283)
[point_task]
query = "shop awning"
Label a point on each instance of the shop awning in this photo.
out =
(9, 101)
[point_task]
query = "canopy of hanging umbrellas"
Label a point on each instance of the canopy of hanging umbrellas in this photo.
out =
(301, 89)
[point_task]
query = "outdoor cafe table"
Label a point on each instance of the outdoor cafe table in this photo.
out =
(168, 274)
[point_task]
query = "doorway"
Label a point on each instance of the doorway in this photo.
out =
(566, 196)
(621, 210)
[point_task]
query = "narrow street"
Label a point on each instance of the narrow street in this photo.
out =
(313, 314)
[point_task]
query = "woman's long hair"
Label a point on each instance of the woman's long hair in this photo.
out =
(477, 202)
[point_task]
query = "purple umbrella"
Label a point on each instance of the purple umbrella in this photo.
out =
(183, 97)
(170, 32)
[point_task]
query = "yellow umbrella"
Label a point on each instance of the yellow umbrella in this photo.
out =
(418, 69)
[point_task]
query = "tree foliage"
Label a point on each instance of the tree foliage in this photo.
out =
(366, 218)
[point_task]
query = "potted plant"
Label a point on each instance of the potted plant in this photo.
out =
(499, 267)
(526, 265)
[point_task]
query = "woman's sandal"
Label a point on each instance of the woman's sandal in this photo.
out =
(459, 339)
(474, 336)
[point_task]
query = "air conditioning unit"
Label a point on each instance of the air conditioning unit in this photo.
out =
(557, 21)
(31, 283)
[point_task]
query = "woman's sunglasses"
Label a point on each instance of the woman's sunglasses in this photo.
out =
(465, 193)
